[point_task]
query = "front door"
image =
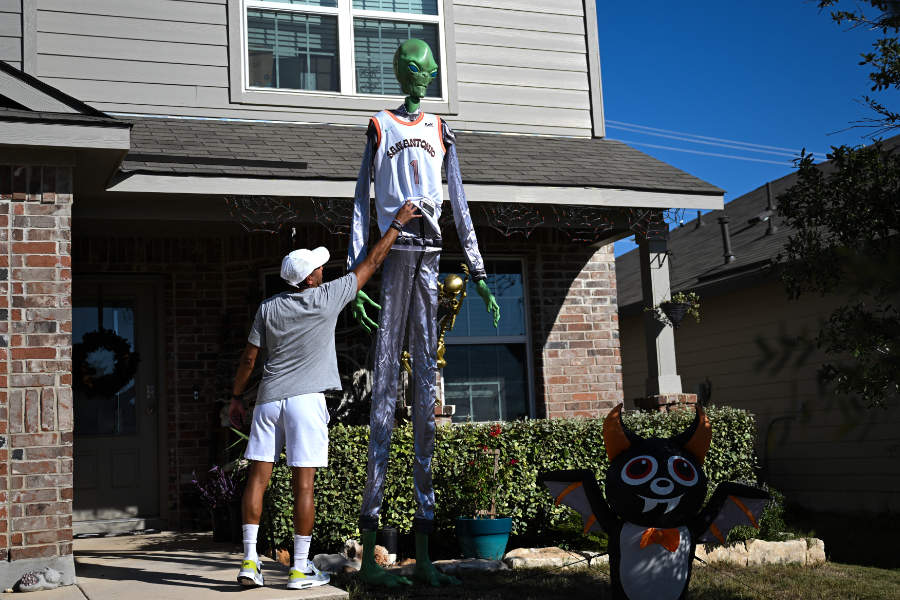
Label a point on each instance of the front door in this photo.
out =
(115, 402)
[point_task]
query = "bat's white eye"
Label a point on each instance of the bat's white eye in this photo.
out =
(639, 469)
(682, 471)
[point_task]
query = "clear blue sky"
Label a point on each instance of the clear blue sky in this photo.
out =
(768, 72)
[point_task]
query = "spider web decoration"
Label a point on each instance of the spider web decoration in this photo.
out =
(512, 218)
(653, 224)
(266, 214)
(584, 224)
(334, 215)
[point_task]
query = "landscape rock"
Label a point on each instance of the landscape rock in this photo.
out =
(336, 563)
(761, 552)
(36, 581)
(525, 558)
(736, 554)
(595, 558)
(815, 551)
(469, 565)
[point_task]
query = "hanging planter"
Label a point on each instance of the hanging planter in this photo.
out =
(672, 312)
(675, 311)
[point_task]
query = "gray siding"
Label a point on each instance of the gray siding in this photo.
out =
(516, 60)
(11, 32)
(823, 451)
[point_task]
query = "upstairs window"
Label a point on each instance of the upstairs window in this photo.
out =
(336, 46)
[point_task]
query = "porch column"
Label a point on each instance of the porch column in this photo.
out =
(35, 371)
(662, 374)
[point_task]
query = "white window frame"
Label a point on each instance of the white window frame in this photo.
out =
(513, 339)
(347, 98)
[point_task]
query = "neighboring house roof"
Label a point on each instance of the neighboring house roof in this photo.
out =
(332, 152)
(696, 258)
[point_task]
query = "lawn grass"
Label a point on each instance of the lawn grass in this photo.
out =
(717, 582)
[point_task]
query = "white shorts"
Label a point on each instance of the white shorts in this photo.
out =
(298, 422)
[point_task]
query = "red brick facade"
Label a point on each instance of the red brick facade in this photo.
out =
(582, 365)
(35, 362)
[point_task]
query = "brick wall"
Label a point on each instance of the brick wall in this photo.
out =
(35, 364)
(573, 319)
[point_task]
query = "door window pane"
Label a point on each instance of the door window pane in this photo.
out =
(375, 43)
(416, 7)
(97, 414)
(486, 382)
(292, 50)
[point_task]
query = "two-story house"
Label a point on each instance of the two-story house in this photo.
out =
(139, 141)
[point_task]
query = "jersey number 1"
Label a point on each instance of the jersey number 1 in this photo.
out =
(415, 168)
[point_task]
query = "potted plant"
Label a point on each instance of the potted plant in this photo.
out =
(680, 305)
(484, 534)
(220, 492)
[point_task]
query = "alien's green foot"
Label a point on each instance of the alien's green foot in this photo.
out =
(375, 575)
(372, 574)
(427, 573)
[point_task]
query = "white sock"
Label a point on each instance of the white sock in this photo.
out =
(249, 538)
(301, 551)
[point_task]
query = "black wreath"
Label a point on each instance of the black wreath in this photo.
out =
(85, 377)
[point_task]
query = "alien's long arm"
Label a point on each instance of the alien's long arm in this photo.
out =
(359, 232)
(461, 216)
(464, 228)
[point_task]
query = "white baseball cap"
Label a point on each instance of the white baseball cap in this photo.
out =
(296, 266)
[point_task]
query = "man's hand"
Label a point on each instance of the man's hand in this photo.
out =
(490, 303)
(237, 413)
(407, 213)
(358, 310)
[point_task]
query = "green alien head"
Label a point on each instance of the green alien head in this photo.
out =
(414, 68)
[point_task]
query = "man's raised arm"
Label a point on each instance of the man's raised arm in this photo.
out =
(370, 264)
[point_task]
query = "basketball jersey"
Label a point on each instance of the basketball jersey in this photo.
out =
(408, 159)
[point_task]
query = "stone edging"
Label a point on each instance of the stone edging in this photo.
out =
(810, 551)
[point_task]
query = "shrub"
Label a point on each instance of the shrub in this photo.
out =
(534, 446)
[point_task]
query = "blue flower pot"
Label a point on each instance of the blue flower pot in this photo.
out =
(483, 538)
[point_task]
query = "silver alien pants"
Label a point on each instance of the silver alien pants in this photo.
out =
(408, 299)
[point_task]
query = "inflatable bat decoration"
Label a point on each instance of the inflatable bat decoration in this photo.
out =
(653, 512)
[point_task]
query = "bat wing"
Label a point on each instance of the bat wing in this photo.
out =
(732, 504)
(578, 489)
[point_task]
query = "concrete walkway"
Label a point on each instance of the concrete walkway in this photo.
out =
(168, 566)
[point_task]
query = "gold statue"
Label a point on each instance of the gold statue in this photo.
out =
(451, 294)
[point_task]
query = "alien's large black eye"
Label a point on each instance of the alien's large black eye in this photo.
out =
(682, 471)
(413, 68)
(639, 469)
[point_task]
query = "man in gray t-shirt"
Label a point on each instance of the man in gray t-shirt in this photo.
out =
(297, 330)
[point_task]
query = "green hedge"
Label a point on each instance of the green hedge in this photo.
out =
(537, 445)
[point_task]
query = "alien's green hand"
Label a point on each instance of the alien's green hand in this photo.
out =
(358, 310)
(490, 303)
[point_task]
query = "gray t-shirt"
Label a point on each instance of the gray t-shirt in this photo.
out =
(297, 329)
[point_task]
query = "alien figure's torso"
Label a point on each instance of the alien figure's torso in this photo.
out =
(653, 572)
(407, 165)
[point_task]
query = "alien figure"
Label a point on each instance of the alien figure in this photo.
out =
(404, 153)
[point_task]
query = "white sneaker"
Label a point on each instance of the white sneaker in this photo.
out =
(300, 580)
(251, 573)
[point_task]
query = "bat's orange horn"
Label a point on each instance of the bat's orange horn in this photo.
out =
(698, 445)
(614, 434)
